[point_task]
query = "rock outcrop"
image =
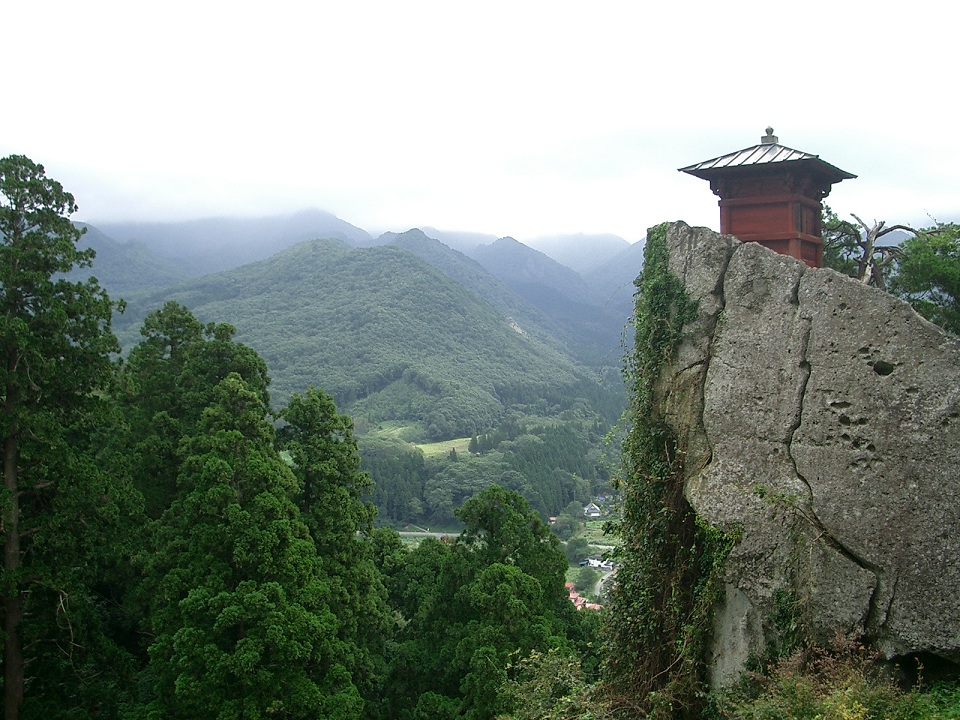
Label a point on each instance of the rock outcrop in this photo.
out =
(820, 420)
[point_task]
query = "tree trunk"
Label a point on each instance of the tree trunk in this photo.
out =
(12, 599)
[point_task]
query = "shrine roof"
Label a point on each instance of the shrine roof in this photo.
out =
(768, 153)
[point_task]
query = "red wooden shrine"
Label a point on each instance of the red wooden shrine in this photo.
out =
(771, 194)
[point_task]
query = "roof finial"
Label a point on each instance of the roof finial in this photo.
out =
(769, 138)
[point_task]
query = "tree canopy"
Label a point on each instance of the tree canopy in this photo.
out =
(923, 269)
(928, 275)
(241, 609)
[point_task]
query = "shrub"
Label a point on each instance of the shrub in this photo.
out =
(844, 683)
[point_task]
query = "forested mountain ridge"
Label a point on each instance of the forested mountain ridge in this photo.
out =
(388, 335)
(518, 265)
(473, 276)
(583, 309)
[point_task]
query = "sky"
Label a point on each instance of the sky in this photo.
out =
(513, 118)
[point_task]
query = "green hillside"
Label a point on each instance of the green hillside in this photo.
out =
(560, 293)
(470, 274)
(389, 336)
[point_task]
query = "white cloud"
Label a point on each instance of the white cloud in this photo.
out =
(519, 118)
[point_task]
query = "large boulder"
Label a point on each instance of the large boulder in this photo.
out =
(820, 420)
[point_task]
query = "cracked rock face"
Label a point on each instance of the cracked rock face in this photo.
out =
(821, 419)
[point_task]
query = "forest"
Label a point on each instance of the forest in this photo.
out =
(178, 544)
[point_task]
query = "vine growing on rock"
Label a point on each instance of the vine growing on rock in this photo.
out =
(669, 578)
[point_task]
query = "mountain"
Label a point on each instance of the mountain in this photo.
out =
(214, 244)
(580, 252)
(459, 240)
(612, 281)
(538, 294)
(518, 265)
(561, 294)
(126, 269)
(389, 336)
(472, 275)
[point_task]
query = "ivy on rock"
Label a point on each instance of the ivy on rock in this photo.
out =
(670, 562)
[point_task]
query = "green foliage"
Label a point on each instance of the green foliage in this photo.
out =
(549, 464)
(399, 476)
(260, 589)
(501, 528)
(924, 270)
(551, 686)
(841, 244)
(326, 461)
(670, 563)
(587, 579)
(843, 684)
(577, 549)
(332, 501)
(855, 249)
(928, 275)
(566, 526)
(471, 609)
(239, 602)
(168, 381)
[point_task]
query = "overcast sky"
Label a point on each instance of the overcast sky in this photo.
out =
(509, 118)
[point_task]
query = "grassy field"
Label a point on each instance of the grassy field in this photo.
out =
(398, 431)
(461, 445)
(409, 434)
(593, 532)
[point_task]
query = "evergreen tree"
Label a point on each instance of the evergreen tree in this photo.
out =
(501, 528)
(333, 502)
(56, 346)
(169, 380)
(241, 606)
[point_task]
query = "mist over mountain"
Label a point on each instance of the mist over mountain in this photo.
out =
(127, 268)
(538, 292)
(214, 244)
(612, 280)
(584, 313)
(459, 240)
(580, 252)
